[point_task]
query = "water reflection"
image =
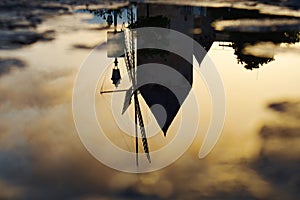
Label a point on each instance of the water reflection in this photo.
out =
(41, 156)
(240, 28)
(178, 18)
(9, 64)
(277, 161)
(206, 25)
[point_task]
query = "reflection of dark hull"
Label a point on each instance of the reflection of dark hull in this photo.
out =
(178, 18)
(161, 94)
(156, 94)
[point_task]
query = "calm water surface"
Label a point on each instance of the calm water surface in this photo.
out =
(256, 157)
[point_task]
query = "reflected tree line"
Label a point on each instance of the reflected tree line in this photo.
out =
(242, 40)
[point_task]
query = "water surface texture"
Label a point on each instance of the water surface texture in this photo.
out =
(254, 46)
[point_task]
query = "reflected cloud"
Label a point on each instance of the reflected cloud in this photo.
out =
(258, 25)
(283, 8)
(279, 160)
(84, 46)
(267, 49)
(9, 64)
(35, 88)
(17, 39)
(290, 108)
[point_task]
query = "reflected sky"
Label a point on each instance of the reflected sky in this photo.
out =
(41, 155)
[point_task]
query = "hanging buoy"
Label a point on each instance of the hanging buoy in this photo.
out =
(116, 75)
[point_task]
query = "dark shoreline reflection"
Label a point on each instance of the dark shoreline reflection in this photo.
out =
(204, 31)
